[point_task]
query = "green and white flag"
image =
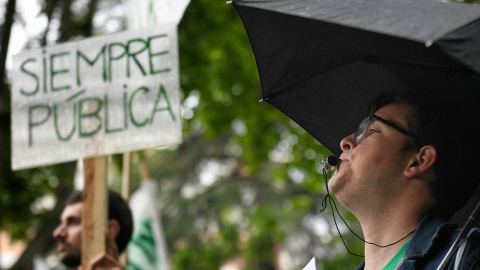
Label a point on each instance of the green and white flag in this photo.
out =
(147, 248)
(144, 13)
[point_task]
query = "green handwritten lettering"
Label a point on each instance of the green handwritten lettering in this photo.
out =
(54, 72)
(134, 121)
(44, 60)
(32, 124)
(161, 92)
(133, 55)
(80, 55)
(33, 75)
(125, 108)
(151, 55)
(57, 129)
(94, 114)
(107, 128)
(113, 57)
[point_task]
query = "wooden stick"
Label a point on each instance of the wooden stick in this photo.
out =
(94, 214)
(125, 191)
(144, 173)
(126, 176)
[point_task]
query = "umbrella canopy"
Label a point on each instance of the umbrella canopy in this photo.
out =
(322, 61)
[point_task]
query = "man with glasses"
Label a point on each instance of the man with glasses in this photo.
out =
(411, 164)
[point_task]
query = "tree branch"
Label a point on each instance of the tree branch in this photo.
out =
(7, 28)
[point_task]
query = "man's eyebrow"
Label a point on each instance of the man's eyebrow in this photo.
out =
(70, 219)
(395, 122)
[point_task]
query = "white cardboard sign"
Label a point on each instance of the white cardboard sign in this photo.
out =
(311, 265)
(104, 95)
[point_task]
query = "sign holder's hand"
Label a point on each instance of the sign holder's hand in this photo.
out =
(107, 260)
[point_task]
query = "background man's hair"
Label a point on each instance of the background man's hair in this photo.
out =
(445, 126)
(118, 210)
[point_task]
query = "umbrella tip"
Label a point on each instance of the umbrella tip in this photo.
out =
(428, 43)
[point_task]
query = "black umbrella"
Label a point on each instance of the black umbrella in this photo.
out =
(322, 61)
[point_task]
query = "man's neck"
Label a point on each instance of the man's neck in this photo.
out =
(386, 230)
(376, 257)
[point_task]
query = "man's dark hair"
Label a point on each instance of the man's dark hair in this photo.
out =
(445, 126)
(117, 210)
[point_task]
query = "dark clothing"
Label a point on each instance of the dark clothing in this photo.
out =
(431, 242)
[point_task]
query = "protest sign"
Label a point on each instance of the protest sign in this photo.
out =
(310, 265)
(104, 95)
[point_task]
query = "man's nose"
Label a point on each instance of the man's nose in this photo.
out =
(347, 143)
(59, 231)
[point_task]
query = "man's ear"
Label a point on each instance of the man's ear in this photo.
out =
(422, 161)
(113, 228)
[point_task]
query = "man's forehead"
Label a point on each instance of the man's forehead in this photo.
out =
(397, 113)
(72, 210)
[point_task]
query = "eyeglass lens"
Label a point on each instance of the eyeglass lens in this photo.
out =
(362, 129)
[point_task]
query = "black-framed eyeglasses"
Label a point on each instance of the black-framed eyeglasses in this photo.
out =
(365, 125)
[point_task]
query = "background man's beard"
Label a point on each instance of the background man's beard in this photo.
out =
(71, 261)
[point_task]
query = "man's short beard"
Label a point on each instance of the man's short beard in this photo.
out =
(71, 261)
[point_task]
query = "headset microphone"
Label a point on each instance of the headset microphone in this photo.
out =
(330, 162)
